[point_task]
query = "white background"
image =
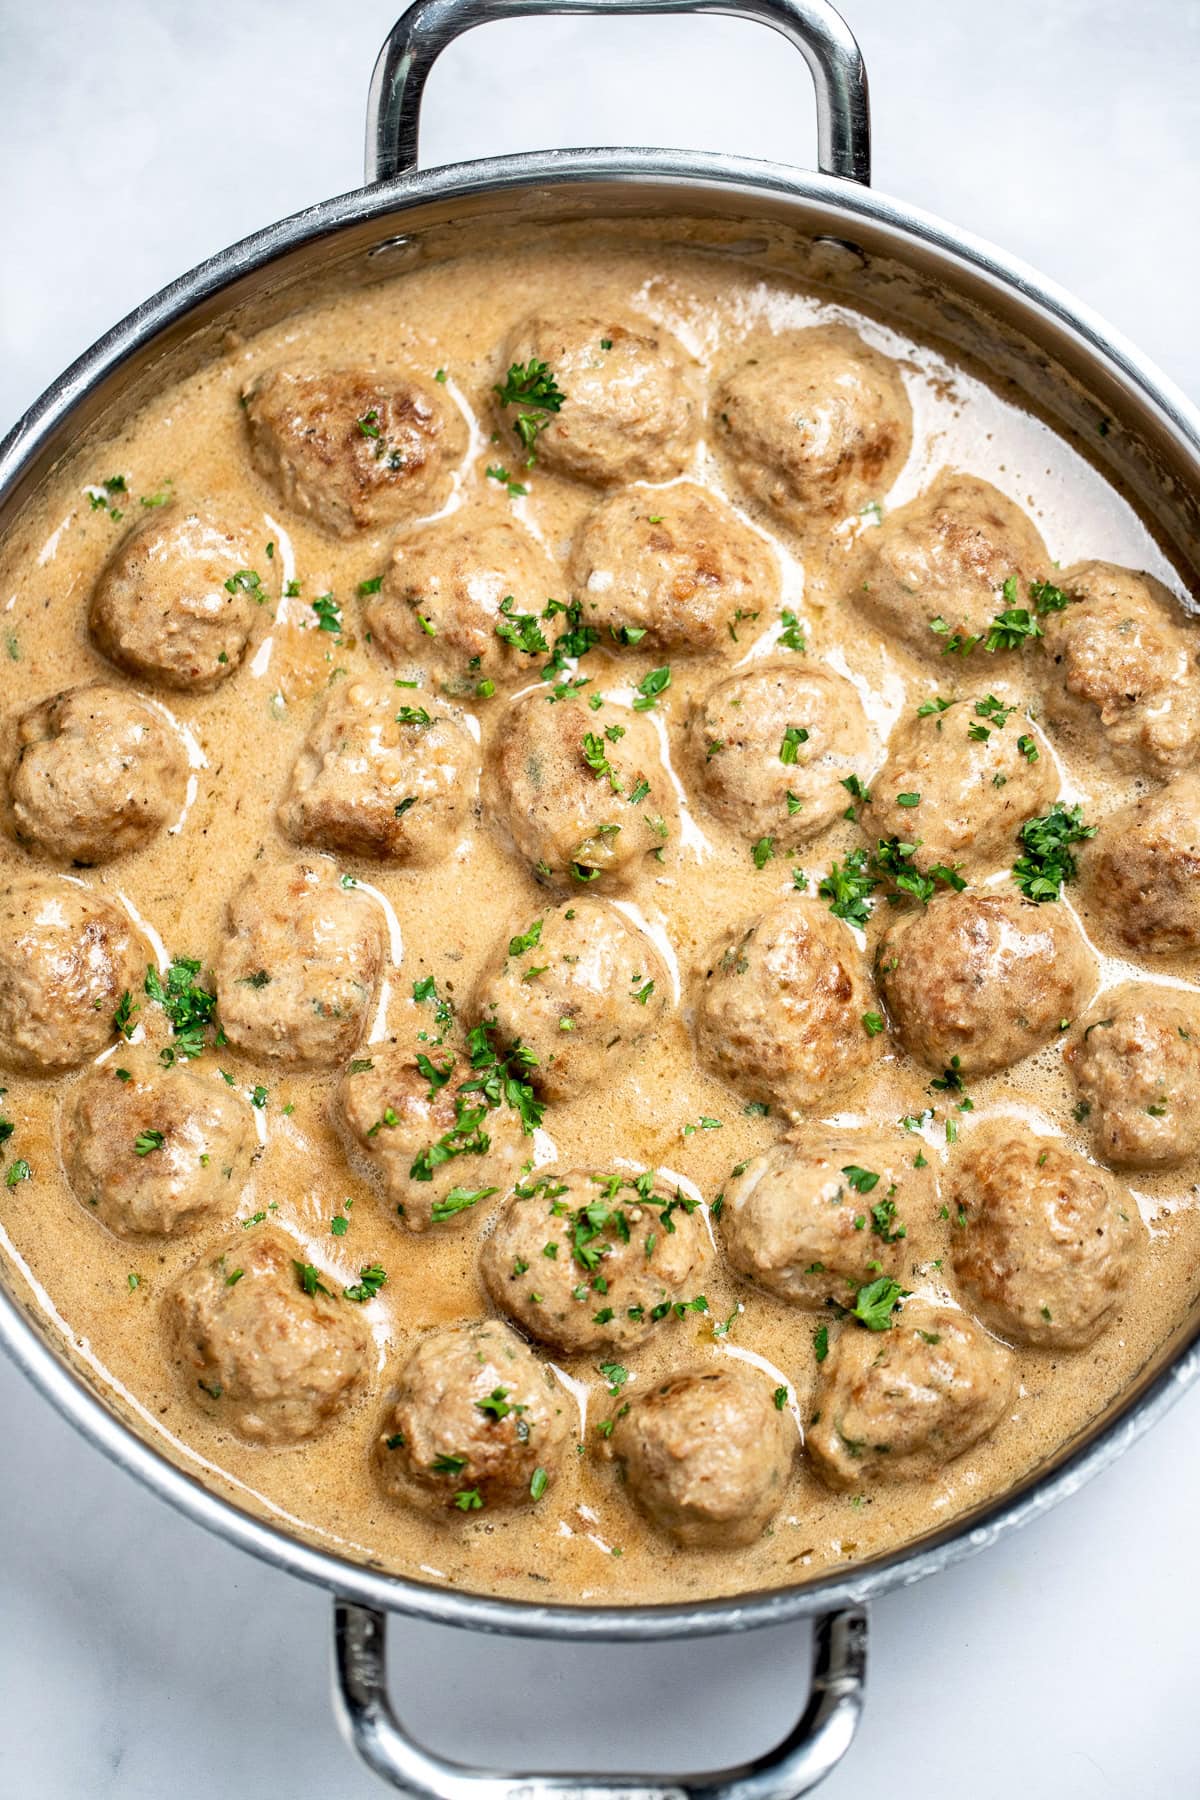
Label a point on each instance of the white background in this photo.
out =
(140, 1658)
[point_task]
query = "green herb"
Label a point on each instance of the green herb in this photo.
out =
(847, 888)
(935, 704)
(650, 687)
(258, 980)
(413, 715)
(780, 1398)
(872, 1023)
(1047, 598)
(1028, 748)
(18, 1171)
(448, 1465)
(309, 1278)
(189, 1007)
(497, 1405)
(532, 389)
(370, 587)
(908, 799)
(329, 613)
(793, 737)
(149, 1140)
(615, 1374)
(821, 1343)
(123, 1022)
(468, 1500)
(248, 581)
(369, 1282)
(1048, 861)
(539, 1482)
(861, 1180)
(457, 1201)
(792, 635)
(515, 488)
(522, 630)
(527, 940)
(762, 852)
(885, 1224)
(339, 1225)
(876, 1301)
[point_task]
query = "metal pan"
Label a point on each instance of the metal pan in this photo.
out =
(829, 228)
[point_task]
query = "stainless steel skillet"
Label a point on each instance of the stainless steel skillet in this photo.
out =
(828, 228)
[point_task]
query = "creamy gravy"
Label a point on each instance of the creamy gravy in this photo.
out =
(584, 1542)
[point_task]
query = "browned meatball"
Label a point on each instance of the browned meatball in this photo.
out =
(961, 778)
(1044, 1240)
(824, 1211)
(583, 795)
(151, 1149)
(935, 571)
(815, 424)
(381, 778)
(977, 980)
(476, 1421)
(580, 988)
(67, 957)
(299, 967)
(585, 1260)
(672, 570)
(771, 745)
(1141, 871)
(1136, 1065)
(354, 449)
(177, 600)
(393, 1112)
(628, 409)
(897, 1404)
(780, 1010)
(706, 1455)
(466, 598)
(1123, 671)
(91, 774)
(260, 1332)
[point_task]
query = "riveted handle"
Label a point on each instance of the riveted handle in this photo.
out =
(809, 1753)
(420, 35)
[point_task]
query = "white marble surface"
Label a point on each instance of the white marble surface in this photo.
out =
(138, 1657)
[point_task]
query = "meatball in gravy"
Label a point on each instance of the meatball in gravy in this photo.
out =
(354, 449)
(978, 980)
(68, 957)
(1141, 871)
(476, 1421)
(383, 779)
(779, 1012)
(898, 1404)
(299, 966)
(91, 774)
(580, 988)
(264, 1341)
(814, 425)
(177, 600)
(620, 403)
(673, 570)
(706, 1455)
(771, 747)
(1136, 1064)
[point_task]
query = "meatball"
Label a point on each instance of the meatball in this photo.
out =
(583, 796)
(824, 1211)
(260, 1331)
(176, 601)
(815, 425)
(298, 969)
(706, 1455)
(585, 1260)
(1123, 670)
(1136, 1065)
(977, 980)
(580, 989)
(978, 769)
(940, 569)
(622, 400)
(897, 1404)
(475, 1421)
(152, 1149)
(393, 1111)
(91, 773)
(780, 1012)
(771, 745)
(67, 958)
(1045, 1240)
(379, 779)
(672, 571)
(466, 600)
(1141, 871)
(354, 449)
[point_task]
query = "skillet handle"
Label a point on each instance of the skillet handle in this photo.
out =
(421, 33)
(809, 1753)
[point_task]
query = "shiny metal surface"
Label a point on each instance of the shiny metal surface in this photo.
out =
(812, 27)
(795, 1766)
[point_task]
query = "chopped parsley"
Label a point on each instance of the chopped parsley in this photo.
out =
(848, 888)
(876, 1301)
(189, 1007)
(522, 630)
(1047, 860)
(792, 635)
(793, 737)
(656, 682)
(369, 1282)
(532, 389)
(148, 1140)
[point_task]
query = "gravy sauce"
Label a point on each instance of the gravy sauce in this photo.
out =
(584, 1542)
